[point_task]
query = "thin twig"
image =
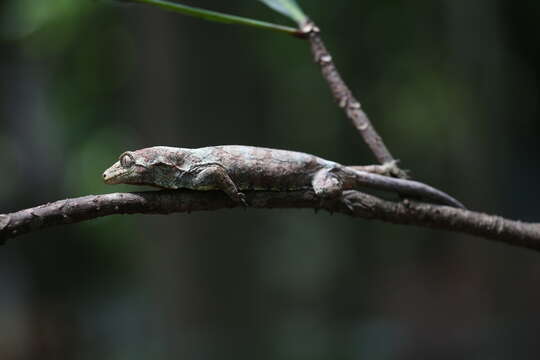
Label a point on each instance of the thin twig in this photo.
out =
(346, 100)
(353, 203)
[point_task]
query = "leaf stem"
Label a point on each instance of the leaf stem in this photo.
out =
(220, 17)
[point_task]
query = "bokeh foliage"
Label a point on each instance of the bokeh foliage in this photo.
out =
(453, 87)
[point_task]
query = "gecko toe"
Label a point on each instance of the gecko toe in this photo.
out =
(241, 197)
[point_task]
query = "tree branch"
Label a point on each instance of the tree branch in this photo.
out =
(346, 100)
(353, 203)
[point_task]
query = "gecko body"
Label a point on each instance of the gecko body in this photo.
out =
(233, 168)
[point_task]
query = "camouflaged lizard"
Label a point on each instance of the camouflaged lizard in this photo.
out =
(233, 168)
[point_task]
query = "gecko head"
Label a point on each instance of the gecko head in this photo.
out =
(152, 166)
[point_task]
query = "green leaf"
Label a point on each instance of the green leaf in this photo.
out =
(215, 16)
(288, 8)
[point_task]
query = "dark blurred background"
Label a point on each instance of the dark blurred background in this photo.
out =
(452, 86)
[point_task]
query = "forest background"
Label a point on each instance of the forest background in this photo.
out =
(452, 86)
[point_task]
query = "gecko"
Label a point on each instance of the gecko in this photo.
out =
(234, 168)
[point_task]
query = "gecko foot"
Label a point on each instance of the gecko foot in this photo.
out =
(241, 198)
(355, 201)
(388, 169)
(348, 203)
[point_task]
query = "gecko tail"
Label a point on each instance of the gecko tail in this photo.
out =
(378, 177)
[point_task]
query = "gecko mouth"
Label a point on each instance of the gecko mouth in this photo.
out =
(111, 177)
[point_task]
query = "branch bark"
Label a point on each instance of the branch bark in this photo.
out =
(353, 203)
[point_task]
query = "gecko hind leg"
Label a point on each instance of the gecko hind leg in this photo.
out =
(327, 185)
(215, 176)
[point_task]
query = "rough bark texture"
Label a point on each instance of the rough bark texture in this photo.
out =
(346, 100)
(353, 203)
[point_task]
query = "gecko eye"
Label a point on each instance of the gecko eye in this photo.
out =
(127, 160)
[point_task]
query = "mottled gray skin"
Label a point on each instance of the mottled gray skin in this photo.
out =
(233, 168)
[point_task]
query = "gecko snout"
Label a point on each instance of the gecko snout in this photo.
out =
(107, 178)
(114, 175)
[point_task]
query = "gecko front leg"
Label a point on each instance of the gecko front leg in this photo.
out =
(214, 176)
